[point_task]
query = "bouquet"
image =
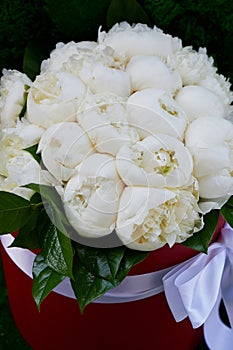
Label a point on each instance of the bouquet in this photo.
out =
(116, 149)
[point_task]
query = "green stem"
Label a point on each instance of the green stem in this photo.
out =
(37, 205)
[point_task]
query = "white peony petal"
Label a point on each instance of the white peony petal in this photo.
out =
(9, 185)
(63, 146)
(62, 53)
(193, 66)
(139, 39)
(208, 133)
(30, 134)
(208, 161)
(104, 79)
(157, 161)
(12, 96)
(24, 169)
(148, 218)
(53, 98)
(199, 102)
(210, 142)
(152, 72)
(206, 205)
(153, 111)
(218, 184)
(91, 197)
(103, 117)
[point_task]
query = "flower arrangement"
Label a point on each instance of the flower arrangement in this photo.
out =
(117, 148)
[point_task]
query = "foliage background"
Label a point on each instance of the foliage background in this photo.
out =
(29, 30)
(198, 23)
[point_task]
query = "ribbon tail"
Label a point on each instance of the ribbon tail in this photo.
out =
(217, 335)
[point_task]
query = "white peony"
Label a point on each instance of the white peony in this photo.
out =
(153, 111)
(17, 166)
(211, 143)
(99, 71)
(193, 66)
(9, 185)
(197, 68)
(29, 134)
(148, 218)
(24, 169)
(157, 161)
(13, 87)
(221, 87)
(13, 141)
(152, 72)
(53, 98)
(139, 39)
(10, 146)
(91, 198)
(63, 52)
(63, 146)
(104, 118)
(199, 102)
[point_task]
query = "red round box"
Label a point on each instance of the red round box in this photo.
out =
(137, 325)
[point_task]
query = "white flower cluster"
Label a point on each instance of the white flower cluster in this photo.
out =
(133, 131)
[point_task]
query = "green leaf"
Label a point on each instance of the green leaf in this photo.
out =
(130, 258)
(227, 212)
(229, 203)
(58, 251)
(45, 279)
(25, 95)
(36, 199)
(97, 270)
(50, 195)
(86, 286)
(200, 241)
(34, 53)
(32, 150)
(57, 248)
(15, 211)
(79, 20)
(31, 235)
(103, 263)
(126, 10)
(27, 236)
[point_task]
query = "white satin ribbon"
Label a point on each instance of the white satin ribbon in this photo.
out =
(132, 288)
(193, 288)
(196, 287)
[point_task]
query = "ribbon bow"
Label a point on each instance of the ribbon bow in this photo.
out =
(196, 287)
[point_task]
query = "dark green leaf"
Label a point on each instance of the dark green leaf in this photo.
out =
(227, 212)
(36, 199)
(108, 263)
(50, 195)
(130, 258)
(201, 240)
(87, 286)
(27, 236)
(57, 248)
(34, 53)
(15, 211)
(58, 251)
(23, 110)
(126, 10)
(97, 270)
(79, 20)
(229, 203)
(32, 150)
(45, 279)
